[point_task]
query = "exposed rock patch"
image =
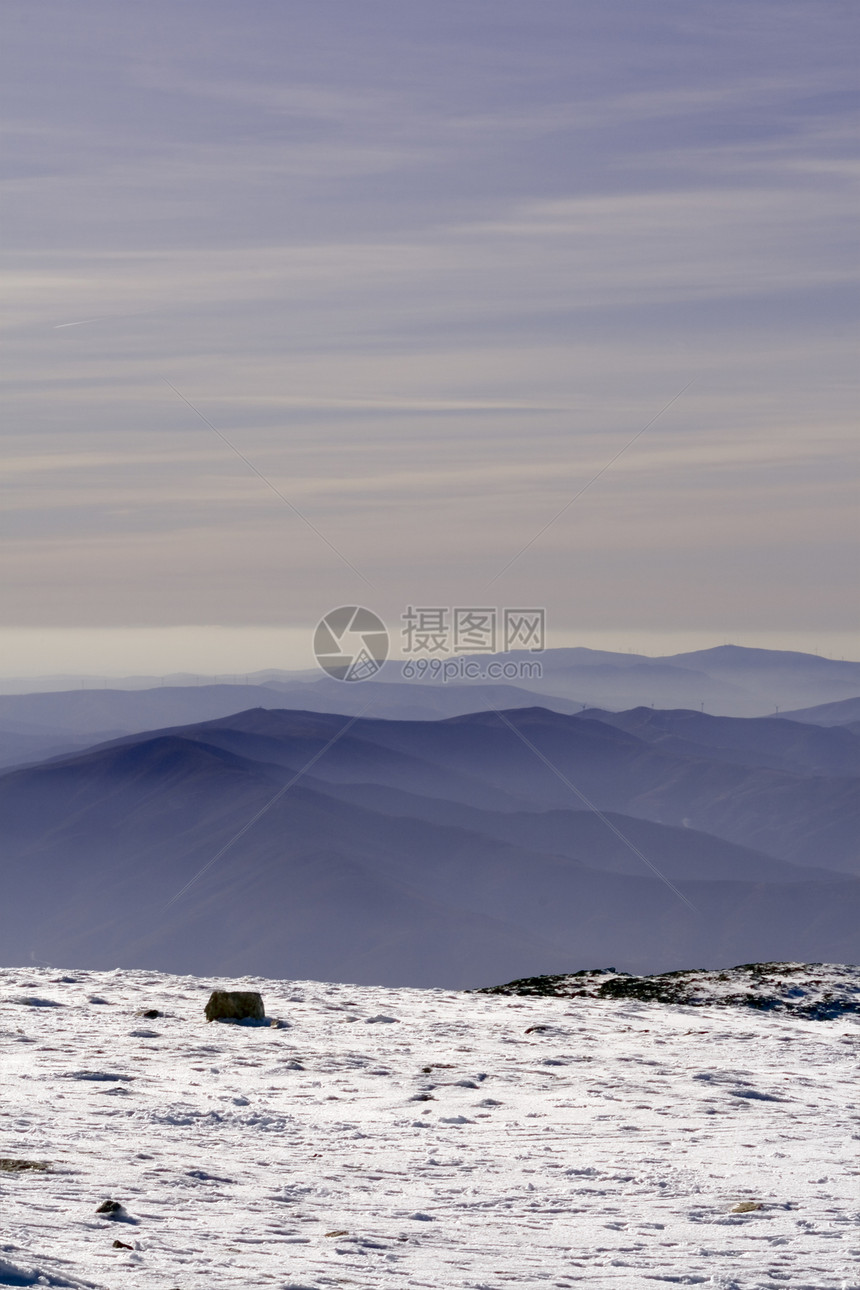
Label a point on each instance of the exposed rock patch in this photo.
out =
(815, 991)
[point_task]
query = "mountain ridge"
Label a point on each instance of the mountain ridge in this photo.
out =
(418, 852)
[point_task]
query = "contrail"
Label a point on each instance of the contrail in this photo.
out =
(82, 323)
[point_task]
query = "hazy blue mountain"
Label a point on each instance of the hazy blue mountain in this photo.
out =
(846, 712)
(478, 759)
(760, 741)
(413, 852)
(43, 724)
(727, 681)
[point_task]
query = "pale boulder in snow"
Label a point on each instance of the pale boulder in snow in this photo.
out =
(235, 1005)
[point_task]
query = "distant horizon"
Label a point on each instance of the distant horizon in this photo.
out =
(231, 655)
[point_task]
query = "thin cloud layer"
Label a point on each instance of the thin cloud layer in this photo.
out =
(428, 270)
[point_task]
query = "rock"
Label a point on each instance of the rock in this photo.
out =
(234, 1005)
(121, 1245)
(9, 1166)
(150, 1014)
(111, 1208)
(746, 1206)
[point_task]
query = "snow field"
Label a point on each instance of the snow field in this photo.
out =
(399, 1138)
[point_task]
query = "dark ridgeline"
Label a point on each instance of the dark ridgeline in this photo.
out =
(728, 680)
(438, 852)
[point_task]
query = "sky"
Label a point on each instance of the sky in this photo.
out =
(485, 303)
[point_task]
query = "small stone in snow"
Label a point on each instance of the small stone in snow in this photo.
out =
(422, 1218)
(111, 1209)
(121, 1245)
(746, 1206)
(379, 1017)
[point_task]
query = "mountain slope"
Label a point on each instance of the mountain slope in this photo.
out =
(846, 712)
(486, 760)
(767, 742)
(424, 853)
(728, 680)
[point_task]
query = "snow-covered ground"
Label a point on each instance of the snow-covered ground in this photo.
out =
(384, 1137)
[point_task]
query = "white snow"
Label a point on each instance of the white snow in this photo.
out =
(479, 1142)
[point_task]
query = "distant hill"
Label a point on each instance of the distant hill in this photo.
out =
(729, 680)
(846, 712)
(440, 852)
(726, 681)
(45, 724)
(772, 742)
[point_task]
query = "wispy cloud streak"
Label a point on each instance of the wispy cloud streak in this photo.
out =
(585, 487)
(301, 515)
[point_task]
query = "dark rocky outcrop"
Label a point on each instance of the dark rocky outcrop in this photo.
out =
(813, 991)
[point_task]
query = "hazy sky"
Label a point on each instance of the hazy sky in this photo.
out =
(429, 267)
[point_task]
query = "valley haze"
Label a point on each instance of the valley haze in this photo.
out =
(447, 836)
